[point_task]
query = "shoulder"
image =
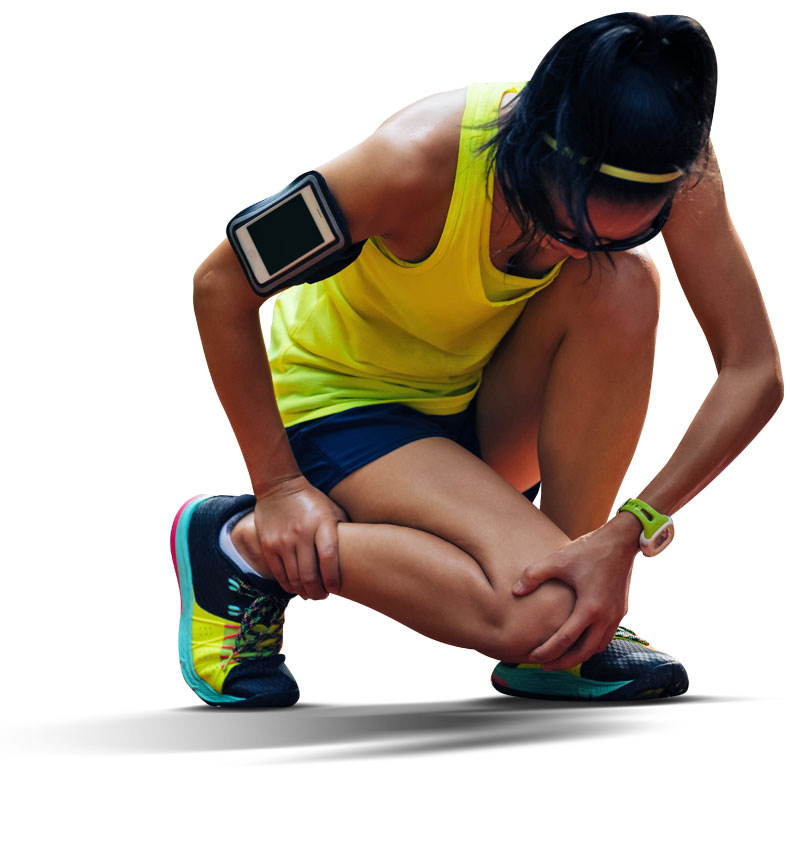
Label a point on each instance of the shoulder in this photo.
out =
(426, 130)
(699, 203)
(406, 164)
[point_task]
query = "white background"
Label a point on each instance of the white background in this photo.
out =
(132, 133)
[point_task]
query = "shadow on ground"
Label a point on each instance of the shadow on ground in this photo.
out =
(337, 732)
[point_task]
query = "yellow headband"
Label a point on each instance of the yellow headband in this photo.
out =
(621, 172)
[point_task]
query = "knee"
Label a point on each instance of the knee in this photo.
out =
(524, 623)
(624, 301)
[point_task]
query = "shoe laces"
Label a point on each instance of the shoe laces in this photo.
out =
(625, 633)
(261, 627)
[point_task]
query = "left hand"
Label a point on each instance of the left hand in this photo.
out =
(598, 567)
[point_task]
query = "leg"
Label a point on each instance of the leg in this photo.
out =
(442, 537)
(436, 542)
(564, 398)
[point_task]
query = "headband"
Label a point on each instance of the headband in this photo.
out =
(621, 172)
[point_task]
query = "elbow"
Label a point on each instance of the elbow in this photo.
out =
(219, 282)
(206, 276)
(773, 389)
(205, 284)
(777, 388)
(222, 289)
(205, 290)
(210, 280)
(214, 297)
(764, 376)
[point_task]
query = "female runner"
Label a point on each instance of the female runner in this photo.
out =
(496, 331)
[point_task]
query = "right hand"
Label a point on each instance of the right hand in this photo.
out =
(297, 528)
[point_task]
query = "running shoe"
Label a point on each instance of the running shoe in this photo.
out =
(231, 629)
(628, 669)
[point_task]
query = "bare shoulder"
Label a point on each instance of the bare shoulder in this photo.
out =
(428, 129)
(406, 165)
(699, 202)
(699, 234)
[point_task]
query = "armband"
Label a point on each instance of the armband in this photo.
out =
(297, 236)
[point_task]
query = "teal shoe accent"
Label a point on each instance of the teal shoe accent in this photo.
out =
(180, 551)
(240, 661)
(509, 678)
(627, 669)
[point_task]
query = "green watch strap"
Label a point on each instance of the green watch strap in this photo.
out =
(652, 520)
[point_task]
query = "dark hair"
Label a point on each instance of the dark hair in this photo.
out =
(628, 90)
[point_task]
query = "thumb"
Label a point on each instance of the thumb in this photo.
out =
(530, 579)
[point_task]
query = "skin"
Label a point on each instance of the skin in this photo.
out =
(443, 541)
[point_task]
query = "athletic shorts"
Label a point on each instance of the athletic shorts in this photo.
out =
(332, 447)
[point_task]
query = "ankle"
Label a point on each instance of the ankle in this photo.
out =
(245, 540)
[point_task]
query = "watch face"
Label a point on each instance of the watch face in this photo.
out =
(657, 542)
(662, 538)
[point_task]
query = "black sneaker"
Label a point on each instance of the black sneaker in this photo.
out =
(628, 669)
(231, 629)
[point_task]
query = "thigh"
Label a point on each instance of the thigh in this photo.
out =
(437, 486)
(510, 400)
(330, 448)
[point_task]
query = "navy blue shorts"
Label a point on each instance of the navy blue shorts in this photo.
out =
(332, 447)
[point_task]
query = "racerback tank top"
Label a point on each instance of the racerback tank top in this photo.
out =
(386, 330)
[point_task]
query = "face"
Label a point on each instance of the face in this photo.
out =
(612, 222)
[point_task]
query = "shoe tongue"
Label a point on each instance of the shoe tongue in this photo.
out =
(625, 633)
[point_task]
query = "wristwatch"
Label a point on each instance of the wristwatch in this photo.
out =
(657, 529)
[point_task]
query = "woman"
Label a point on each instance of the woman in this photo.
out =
(496, 331)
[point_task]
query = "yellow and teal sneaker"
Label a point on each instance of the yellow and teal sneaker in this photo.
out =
(628, 669)
(231, 629)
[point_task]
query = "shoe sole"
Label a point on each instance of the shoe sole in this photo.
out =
(668, 679)
(179, 549)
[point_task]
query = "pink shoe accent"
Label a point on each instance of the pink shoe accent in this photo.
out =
(173, 533)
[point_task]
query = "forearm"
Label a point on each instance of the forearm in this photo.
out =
(739, 404)
(236, 356)
(598, 564)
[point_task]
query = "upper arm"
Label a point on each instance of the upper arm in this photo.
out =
(716, 274)
(381, 184)
(404, 169)
(371, 183)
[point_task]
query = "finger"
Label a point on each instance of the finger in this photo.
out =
(562, 641)
(326, 545)
(277, 568)
(606, 638)
(309, 575)
(292, 572)
(584, 648)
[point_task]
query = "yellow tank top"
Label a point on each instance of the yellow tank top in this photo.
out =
(385, 330)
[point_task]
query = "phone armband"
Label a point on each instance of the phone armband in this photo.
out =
(297, 236)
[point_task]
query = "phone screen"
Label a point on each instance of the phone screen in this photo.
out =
(285, 234)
